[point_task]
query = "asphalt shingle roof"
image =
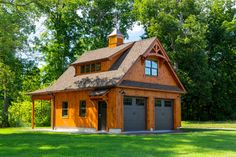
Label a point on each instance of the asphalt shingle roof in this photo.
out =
(68, 80)
(101, 53)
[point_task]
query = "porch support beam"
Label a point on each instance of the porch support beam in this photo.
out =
(32, 114)
(52, 113)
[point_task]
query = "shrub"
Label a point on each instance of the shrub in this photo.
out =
(20, 114)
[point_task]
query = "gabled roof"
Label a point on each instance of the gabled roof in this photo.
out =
(100, 54)
(69, 82)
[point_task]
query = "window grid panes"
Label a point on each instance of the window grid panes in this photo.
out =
(82, 108)
(140, 101)
(64, 109)
(151, 68)
(92, 67)
(87, 68)
(157, 102)
(127, 100)
(82, 69)
(95, 67)
(168, 103)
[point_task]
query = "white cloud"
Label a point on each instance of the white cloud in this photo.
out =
(136, 28)
(135, 33)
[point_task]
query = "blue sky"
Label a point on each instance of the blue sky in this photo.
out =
(134, 33)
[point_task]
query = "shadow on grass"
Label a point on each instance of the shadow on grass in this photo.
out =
(90, 145)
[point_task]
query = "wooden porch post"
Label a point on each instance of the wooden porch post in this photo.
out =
(52, 112)
(32, 113)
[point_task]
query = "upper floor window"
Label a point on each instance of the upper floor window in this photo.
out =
(151, 68)
(89, 68)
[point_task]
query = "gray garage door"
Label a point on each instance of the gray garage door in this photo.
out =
(134, 113)
(163, 114)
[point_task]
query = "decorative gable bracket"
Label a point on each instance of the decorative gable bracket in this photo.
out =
(155, 52)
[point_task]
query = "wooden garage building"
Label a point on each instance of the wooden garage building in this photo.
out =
(122, 87)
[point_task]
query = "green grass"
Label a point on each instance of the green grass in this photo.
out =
(209, 124)
(23, 143)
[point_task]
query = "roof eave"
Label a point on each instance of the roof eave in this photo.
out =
(69, 90)
(151, 89)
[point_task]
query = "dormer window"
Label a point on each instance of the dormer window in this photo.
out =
(151, 68)
(90, 68)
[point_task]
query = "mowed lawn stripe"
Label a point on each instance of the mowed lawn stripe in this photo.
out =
(48, 144)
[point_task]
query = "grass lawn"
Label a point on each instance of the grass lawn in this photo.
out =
(23, 142)
(209, 124)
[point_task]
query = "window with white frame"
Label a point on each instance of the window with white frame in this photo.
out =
(151, 68)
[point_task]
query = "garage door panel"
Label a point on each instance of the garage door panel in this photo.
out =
(134, 114)
(163, 114)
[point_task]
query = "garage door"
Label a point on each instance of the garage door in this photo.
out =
(134, 113)
(163, 114)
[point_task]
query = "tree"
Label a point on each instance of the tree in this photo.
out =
(15, 25)
(99, 18)
(200, 37)
(76, 26)
(221, 48)
(6, 79)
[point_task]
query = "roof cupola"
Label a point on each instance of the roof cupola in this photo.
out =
(116, 38)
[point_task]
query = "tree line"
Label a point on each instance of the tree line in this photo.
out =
(199, 36)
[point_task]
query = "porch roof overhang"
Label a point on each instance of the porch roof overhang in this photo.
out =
(42, 97)
(99, 94)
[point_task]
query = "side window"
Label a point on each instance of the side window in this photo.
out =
(151, 68)
(82, 108)
(64, 109)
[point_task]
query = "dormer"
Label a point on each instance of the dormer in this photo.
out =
(100, 60)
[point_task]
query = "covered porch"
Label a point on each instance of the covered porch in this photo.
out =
(100, 109)
(45, 97)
